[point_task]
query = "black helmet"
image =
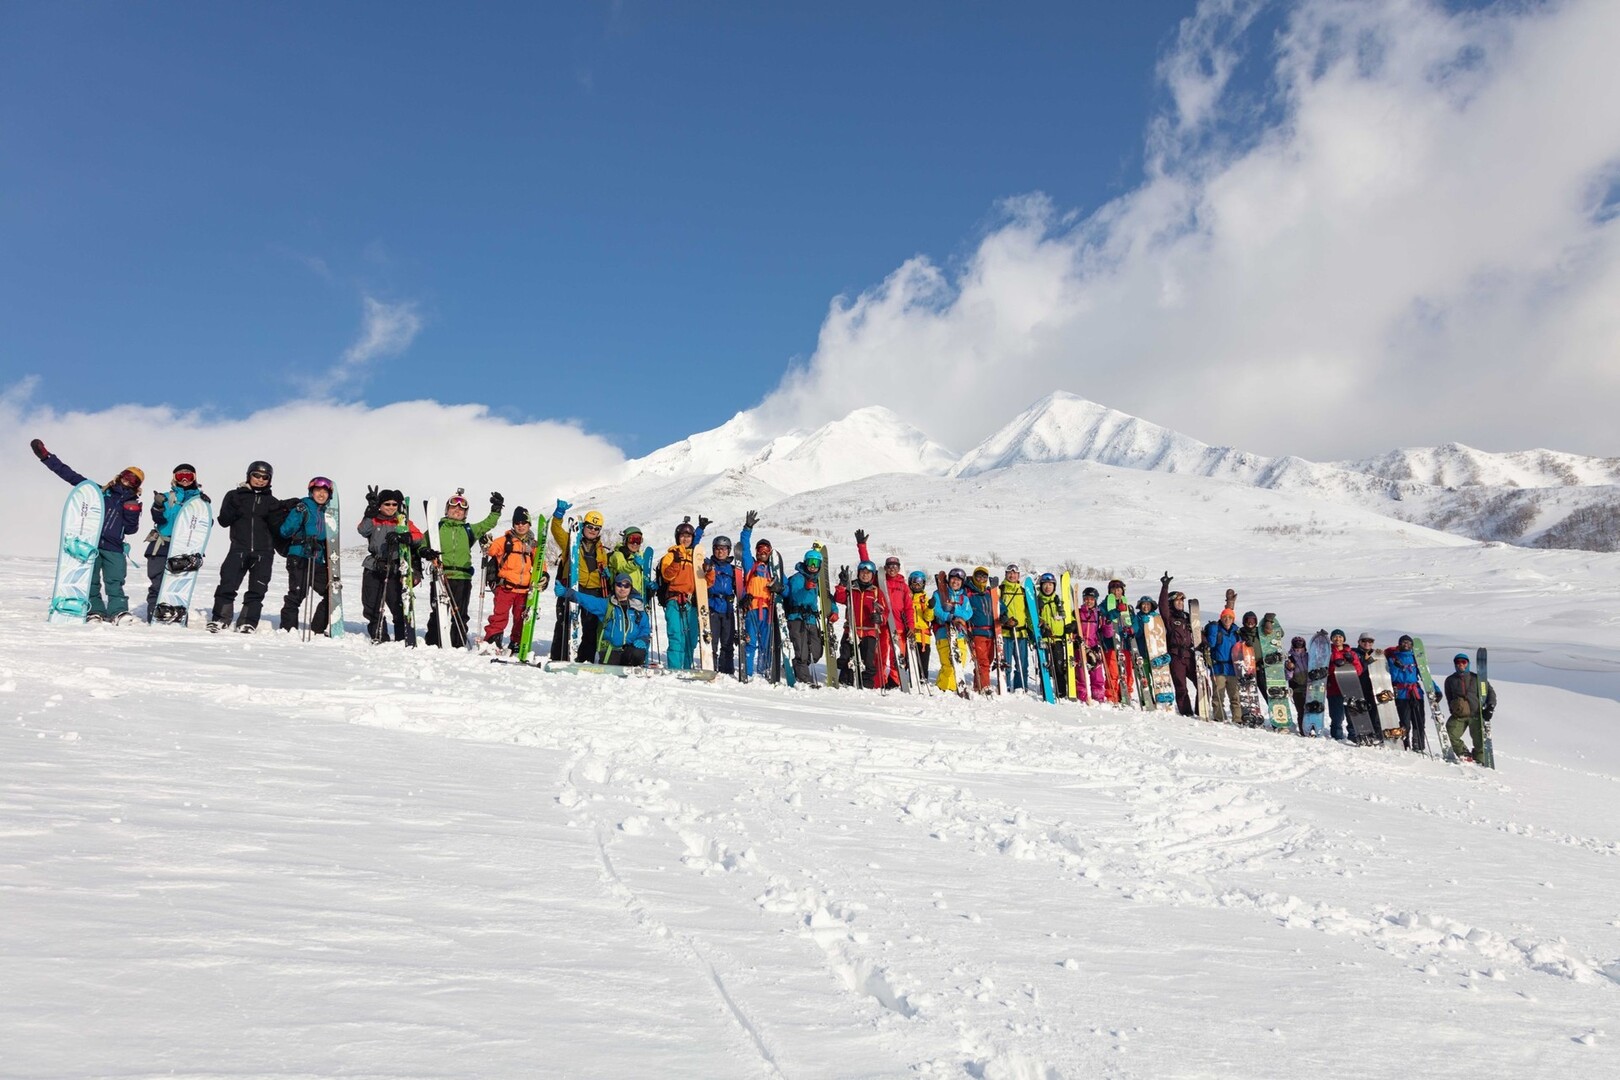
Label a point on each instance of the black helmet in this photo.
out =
(262, 467)
(1089, 593)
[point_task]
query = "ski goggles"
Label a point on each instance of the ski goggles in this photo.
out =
(633, 540)
(129, 479)
(458, 502)
(321, 482)
(184, 478)
(891, 563)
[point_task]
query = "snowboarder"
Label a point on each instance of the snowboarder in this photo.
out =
(1342, 656)
(121, 515)
(631, 558)
(1468, 712)
(1221, 638)
(623, 626)
(1178, 632)
(165, 509)
(512, 553)
(304, 528)
(391, 538)
(892, 654)
(1014, 629)
(801, 606)
(677, 590)
(246, 511)
(457, 538)
(1297, 666)
(1410, 707)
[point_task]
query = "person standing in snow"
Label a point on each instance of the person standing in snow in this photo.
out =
(623, 627)
(1342, 656)
(457, 539)
(865, 599)
(1058, 632)
(594, 575)
(391, 538)
(304, 529)
(801, 606)
(1092, 629)
(677, 576)
(245, 511)
(512, 555)
(892, 654)
(121, 515)
(981, 629)
(1180, 640)
(1221, 638)
(165, 509)
(1468, 711)
(758, 598)
(1014, 630)
(922, 618)
(724, 578)
(949, 618)
(1297, 665)
(1409, 692)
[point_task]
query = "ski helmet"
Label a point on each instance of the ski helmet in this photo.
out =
(812, 558)
(866, 564)
(133, 473)
(261, 467)
(917, 579)
(762, 545)
(977, 570)
(956, 572)
(1048, 578)
(1115, 584)
(321, 482)
(1012, 569)
(1089, 593)
(1461, 657)
(631, 531)
(592, 517)
(684, 527)
(722, 542)
(892, 563)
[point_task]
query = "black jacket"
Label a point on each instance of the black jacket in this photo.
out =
(246, 513)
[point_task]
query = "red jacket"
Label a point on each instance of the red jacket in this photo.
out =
(1336, 661)
(870, 610)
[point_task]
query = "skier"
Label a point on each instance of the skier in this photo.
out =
(1297, 666)
(594, 575)
(922, 618)
(121, 515)
(304, 527)
(1179, 639)
(758, 597)
(892, 654)
(1014, 629)
(1221, 638)
(165, 508)
(1092, 629)
(457, 537)
(865, 598)
(246, 511)
(1058, 631)
(513, 555)
(391, 538)
(623, 627)
(981, 629)
(1467, 710)
(801, 605)
(629, 557)
(677, 590)
(1119, 666)
(1409, 691)
(724, 576)
(949, 617)
(1341, 656)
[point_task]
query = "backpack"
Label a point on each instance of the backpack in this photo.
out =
(274, 520)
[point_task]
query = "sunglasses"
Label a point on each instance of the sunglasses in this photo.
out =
(593, 528)
(258, 476)
(390, 502)
(622, 584)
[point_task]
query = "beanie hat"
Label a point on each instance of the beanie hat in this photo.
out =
(520, 516)
(1405, 639)
(391, 495)
(1339, 633)
(1228, 613)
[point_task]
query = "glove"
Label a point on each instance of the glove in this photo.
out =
(751, 519)
(160, 500)
(39, 449)
(1434, 696)
(1487, 712)
(1007, 623)
(959, 626)
(1166, 579)
(543, 581)
(1231, 597)
(430, 555)
(860, 536)
(843, 577)
(372, 501)
(562, 508)
(561, 591)
(497, 502)
(703, 523)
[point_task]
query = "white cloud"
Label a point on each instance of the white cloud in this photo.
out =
(423, 447)
(386, 330)
(1409, 250)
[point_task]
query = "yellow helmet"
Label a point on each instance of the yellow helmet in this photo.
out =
(593, 517)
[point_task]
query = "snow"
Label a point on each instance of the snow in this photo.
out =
(235, 857)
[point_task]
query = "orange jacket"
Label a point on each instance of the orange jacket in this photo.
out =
(675, 571)
(514, 559)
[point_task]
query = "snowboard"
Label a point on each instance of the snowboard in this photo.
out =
(1279, 699)
(1442, 743)
(1357, 710)
(1249, 700)
(188, 540)
(531, 603)
(1033, 611)
(82, 517)
(621, 671)
(1381, 690)
(824, 590)
(1206, 681)
(1488, 758)
(1158, 657)
(332, 518)
(1318, 652)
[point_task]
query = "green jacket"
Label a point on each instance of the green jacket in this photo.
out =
(456, 539)
(620, 561)
(1012, 606)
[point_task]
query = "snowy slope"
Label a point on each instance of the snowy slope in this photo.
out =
(1455, 465)
(252, 857)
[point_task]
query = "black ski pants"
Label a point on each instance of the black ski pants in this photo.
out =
(806, 637)
(723, 630)
(1413, 715)
(257, 567)
(459, 590)
(1182, 668)
(868, 658)
(376, 590)
(303, 575)
(627, 656)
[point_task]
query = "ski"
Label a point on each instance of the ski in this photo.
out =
(829, 666)
(531, 603)
(1442, 747)
(82, 517)
(621, 671)
(1032, 608)
(703, 658)
(1071, 665)
(332, 516)
(1488, 758)
(188, 541)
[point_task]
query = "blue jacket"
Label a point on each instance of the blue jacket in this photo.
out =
(982, 622)
(1221, 641)
(622, 624)
(1403, 672)
(120, 506)
(801, 598)
(723, 589)
(163, 513)
(305, 525)
(949, 605)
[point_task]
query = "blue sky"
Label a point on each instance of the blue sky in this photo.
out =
(635, 214)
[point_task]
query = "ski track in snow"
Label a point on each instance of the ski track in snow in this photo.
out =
(638, 877)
